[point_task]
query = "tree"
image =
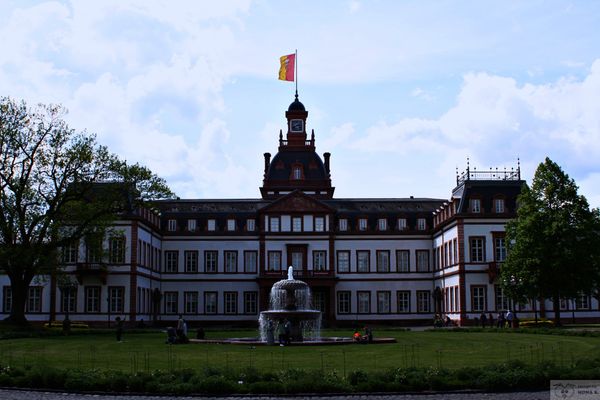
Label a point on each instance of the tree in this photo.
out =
(57, 186)
(554, 243)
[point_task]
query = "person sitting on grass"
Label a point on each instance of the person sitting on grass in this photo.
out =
(356, 337)
(171, 335)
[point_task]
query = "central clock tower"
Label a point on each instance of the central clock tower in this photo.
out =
(297, 166)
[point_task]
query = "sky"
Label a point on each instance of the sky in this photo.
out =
(401, 92)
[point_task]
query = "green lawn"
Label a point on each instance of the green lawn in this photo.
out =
(146, 352)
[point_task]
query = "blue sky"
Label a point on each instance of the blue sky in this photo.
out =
(400, 92)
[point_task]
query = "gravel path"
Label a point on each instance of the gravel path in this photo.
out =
(35, 395)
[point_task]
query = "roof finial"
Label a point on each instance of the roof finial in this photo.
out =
(296, 94)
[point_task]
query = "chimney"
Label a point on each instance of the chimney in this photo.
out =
(267, 162)
(326, 157)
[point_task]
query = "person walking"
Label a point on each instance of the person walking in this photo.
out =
(119, 331)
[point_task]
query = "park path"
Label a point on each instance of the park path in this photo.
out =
(6, 394)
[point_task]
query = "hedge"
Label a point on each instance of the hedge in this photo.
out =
(510, 376)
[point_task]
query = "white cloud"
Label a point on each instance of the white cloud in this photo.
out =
(495, 120)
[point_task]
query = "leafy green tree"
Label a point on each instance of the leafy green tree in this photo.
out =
(57, 186)
(554, 243)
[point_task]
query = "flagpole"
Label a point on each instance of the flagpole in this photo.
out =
(296, 65)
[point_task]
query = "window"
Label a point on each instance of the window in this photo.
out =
(116, 297)
(171, 261)
(171, 225)
(93, 249)
(297, 260)
(401, 224)
(343, 261)
(362, 224)
(564, 304)
(343, 225)
(171, 302)
(92, 299)
(274, 261)
(319, 260)
(499, 205)
(68, 299)
(297, 224)
(191, 261)
(362, 261)
(502, 301)
(423, 300)
(250, 262)
(191, 225)
(251, 225)
(250, 302)
(364, 302)
(190, 301)
(343, 302)
(231, 225)
(70, 253)
(403, 299)
(478, 298)
(383, 302)
(230, 262)
(475, 205)
(318, 301)
(477, 245)
(319, 224)
(210, 261)
(230, 302)
(274, 224)
(582, 302)
(500, 249)
(403, 260)
(421, 224)
(34, 299)
(210, 302)
(7, 299)
(297, 173)
(116, 250)
(382, 224)
(383, 261)
(422, 260)
(211, 225)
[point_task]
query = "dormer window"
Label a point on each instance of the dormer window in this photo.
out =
(211, 225)
(499, 205)
(475, 206)
(172, 225)
(421, 224)
(343, 225)
(297, 173)
(274, 224)
(297, 224)
(251, 225)
(319, 224)
(382, 224)
(191, 225)
(401, 224)
(231, 225)
(362, 224)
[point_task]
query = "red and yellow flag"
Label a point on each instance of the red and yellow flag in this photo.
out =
(286, 71)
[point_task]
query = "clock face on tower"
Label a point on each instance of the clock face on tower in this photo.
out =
(296, 125)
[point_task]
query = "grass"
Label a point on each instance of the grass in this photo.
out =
(147, 351)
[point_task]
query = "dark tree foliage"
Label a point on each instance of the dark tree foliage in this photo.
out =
(57, 186)
(554, 243)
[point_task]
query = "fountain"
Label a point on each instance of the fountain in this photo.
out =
(290, 300)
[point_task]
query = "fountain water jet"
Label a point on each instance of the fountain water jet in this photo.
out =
(290, 300)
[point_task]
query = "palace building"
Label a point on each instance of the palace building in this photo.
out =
(384, 261)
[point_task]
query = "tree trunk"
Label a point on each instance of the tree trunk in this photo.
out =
(556, 305)
(19, 289)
